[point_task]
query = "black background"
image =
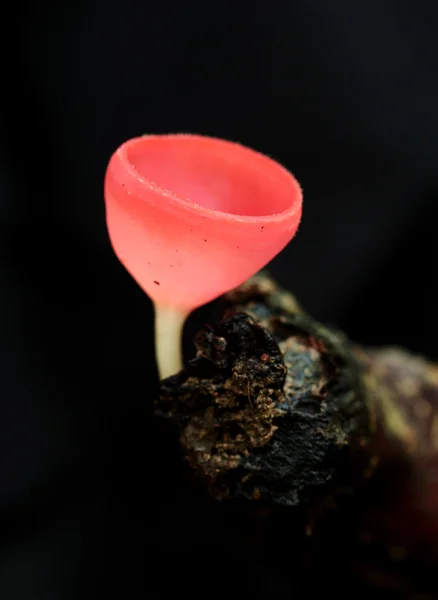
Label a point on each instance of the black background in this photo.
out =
(343, 93)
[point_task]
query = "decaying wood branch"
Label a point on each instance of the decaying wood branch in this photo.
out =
(291, 418)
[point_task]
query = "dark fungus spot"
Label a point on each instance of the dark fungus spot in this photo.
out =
(157, 282)
(262, 228)
(123, 185)
(205, 240)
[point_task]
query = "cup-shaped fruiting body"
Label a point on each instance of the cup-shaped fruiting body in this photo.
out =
(191, 217)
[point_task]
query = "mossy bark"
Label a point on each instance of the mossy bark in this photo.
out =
(295, 428)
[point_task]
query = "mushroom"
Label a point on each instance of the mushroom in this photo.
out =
(191, 217)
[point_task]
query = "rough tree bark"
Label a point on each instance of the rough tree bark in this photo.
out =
(290, 425)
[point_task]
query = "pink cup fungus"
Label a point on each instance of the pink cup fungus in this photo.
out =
(191, 217)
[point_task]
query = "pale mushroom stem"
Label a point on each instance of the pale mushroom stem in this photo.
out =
(169, 324)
